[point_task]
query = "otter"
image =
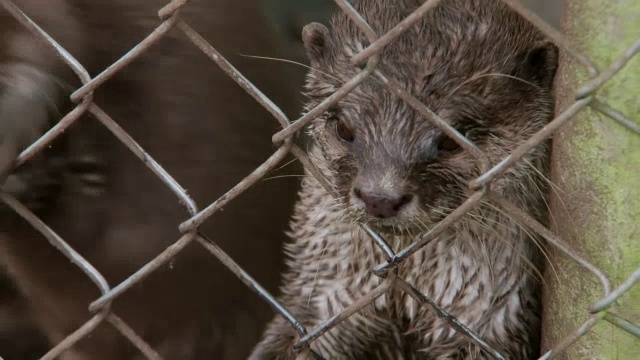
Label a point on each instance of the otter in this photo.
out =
(489, 74)
(100, 198)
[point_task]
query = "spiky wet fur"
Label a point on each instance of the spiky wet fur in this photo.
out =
(475, 64)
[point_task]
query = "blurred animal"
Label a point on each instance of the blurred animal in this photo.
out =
(196, 122)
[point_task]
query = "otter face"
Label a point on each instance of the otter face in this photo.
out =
(395, 170)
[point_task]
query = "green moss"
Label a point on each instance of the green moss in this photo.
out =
(603, 164)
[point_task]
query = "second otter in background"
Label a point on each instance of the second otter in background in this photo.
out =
(196, 122)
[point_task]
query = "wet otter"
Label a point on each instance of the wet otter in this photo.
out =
(196, 122)
(488, 73)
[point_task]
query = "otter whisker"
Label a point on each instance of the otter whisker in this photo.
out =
(535, 239)
(282, 176)
(535, 184)
(285, 165)
(294, 63)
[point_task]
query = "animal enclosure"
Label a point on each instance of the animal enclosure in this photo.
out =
(579, 90)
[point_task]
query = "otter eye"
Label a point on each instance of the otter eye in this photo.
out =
(343, 131)
(448, 144)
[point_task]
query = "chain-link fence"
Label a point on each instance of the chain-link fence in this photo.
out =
(586, 97)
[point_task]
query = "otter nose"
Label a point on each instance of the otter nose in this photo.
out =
(382, 206)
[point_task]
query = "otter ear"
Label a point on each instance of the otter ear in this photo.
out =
(318, 43)
(540, 64)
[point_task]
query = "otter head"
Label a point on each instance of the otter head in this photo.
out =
(392, 168)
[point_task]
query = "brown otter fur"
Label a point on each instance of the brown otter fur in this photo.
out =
(196, 122)
(487, 72)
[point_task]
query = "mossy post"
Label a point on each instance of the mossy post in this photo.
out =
(595, 202)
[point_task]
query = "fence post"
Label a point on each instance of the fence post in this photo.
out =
(595, 203)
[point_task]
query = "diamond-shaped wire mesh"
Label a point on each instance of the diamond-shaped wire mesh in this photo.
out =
(586, 97)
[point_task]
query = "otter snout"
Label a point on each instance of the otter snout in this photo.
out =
(382, 205)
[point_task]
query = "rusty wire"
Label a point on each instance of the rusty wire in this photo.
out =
(169, 17)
